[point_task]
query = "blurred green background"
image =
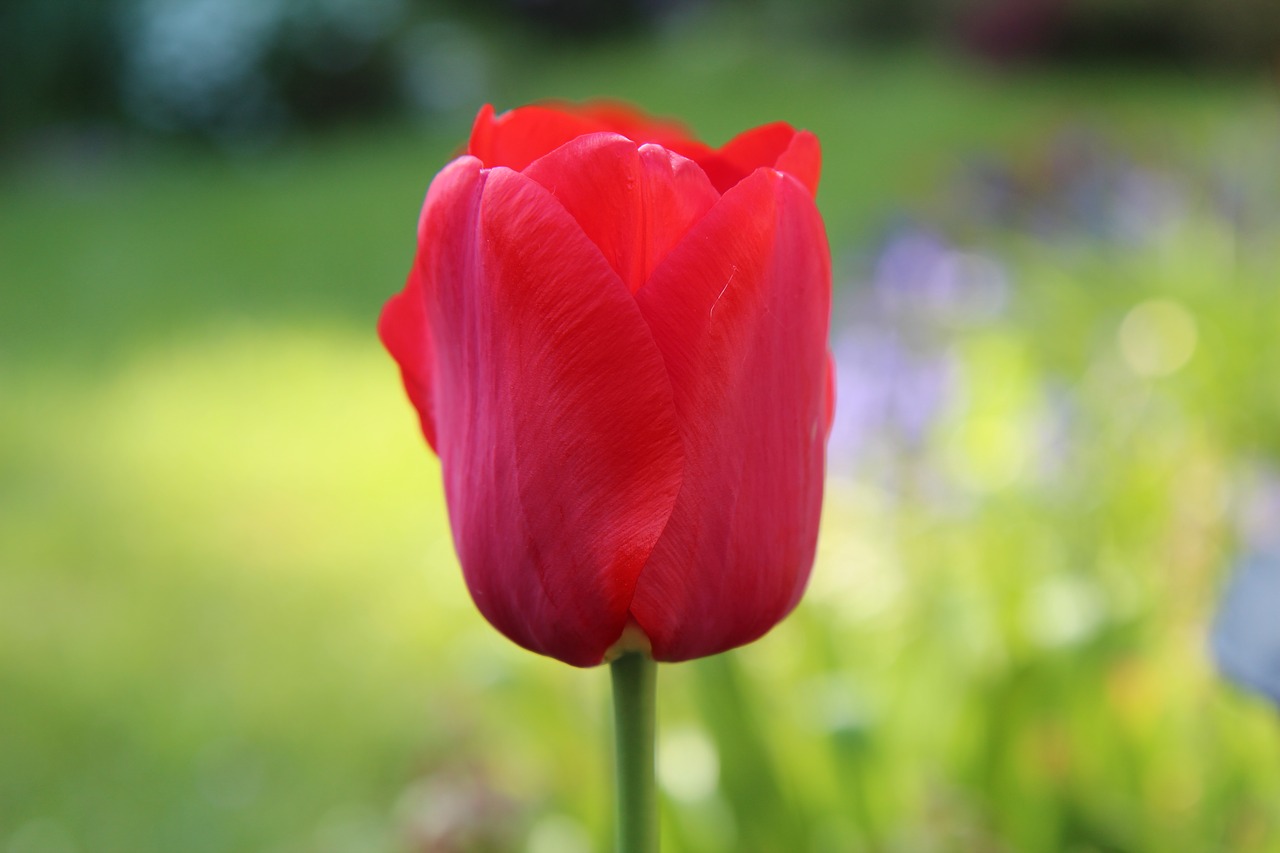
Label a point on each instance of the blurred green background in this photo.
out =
(230, 614)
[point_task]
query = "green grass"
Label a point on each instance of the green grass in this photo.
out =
(231, 619)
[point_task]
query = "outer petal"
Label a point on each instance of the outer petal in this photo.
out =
(635, 203)
(406, 335)
(740, 310)
(554, 415)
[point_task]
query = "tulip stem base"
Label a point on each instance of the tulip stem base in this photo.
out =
(635, 679)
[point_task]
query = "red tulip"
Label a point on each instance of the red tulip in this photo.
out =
(616, 339)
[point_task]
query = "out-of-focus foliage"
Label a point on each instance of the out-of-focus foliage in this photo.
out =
(244, 71)
(1167, 33)
(230, 617)
(61, 61)
(240, 71)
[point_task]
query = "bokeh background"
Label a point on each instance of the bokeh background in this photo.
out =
(230, 615)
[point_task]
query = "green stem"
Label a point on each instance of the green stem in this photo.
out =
(635, 679)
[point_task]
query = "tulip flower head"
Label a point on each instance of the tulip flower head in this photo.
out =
(615, 338)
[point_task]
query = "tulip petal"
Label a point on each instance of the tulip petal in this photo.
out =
(740, 312)
(759, 146)
(518, 137)
(802, 159)
(620, 118)
(775, 146)
(554, 415)
(403, 329)
(634, 202)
